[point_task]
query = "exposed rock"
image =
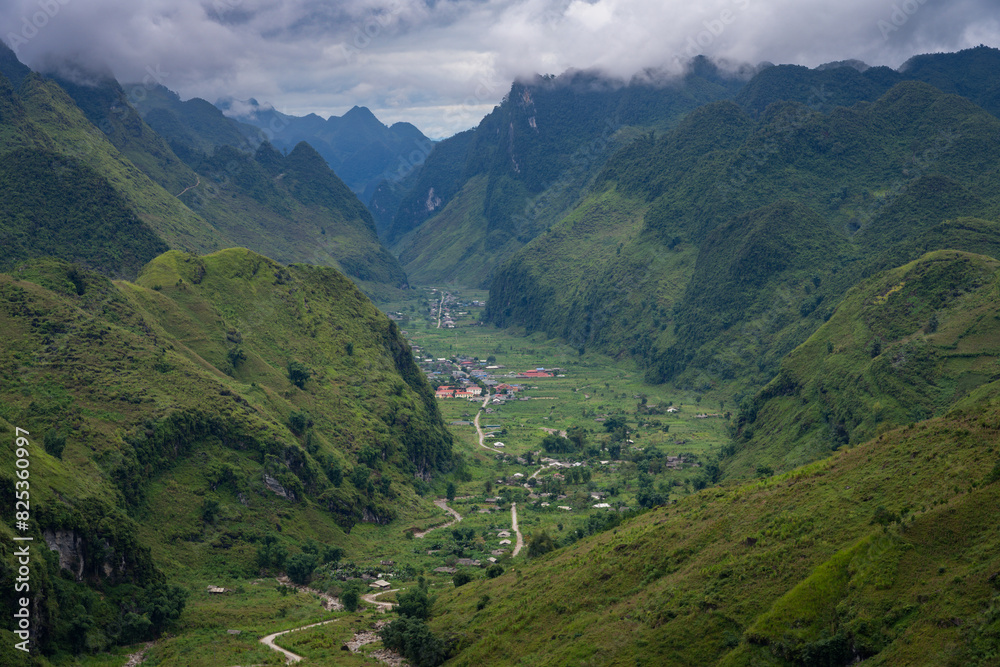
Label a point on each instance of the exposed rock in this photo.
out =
(277, 488)
(70, 548)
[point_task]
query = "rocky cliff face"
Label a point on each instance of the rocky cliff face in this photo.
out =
(70, 547)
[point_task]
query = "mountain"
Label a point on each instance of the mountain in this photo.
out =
(490, 191)
(903, 346)
(358, 146)
(885, 553)
(194, 128)
(180, 422)
(711, 252)
(295, 209)
(970, 73)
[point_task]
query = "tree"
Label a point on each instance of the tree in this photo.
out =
(451, 491)
(54, 443)
(414, 603)
(209, 510)
(271, 553)
(300, 568)
(298, 373)
(412, 638)
(332, 554)
(236, 356)
(540, 544)
(494, 571)
(461, 579)
(554, 443)
(350, 599)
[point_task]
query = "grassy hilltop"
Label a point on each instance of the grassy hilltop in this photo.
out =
(182, 420)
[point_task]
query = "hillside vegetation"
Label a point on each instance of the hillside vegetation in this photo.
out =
(901, 347)
(290, 207)
(179, 423)
(885, 552)
(526, 164)
(782, 215)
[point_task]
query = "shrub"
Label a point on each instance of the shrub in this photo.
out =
(298, 374)
(412, 638)
(300, 568)
(54, 443)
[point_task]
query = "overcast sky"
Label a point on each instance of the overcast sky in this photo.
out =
(444, 64)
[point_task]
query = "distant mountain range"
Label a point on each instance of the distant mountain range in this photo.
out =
(358, 146)
(200, 184)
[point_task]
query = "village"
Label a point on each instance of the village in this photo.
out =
(557, 436)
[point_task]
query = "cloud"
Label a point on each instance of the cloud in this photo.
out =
(442, 64)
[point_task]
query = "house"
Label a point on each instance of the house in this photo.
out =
(602, 505)
(445, 392)
(504, 533)
(217, 590)
(380, 584)
(468, 562)
(564, 507)
(446, 570)
(504, 542)
(475, 390)
(672, 409)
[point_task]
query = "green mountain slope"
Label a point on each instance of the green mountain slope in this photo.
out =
(56, 206)
(193, 128)
(886, 552)
(534, 154)
(178, 421)
(784, 214)
(293, 209)
(971, 73)
(314, 219)
(58, 125)
(903, 346)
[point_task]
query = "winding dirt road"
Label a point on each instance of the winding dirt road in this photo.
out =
(440, 308)
(382, 606)
(513, 522)
(443, 504)
(479, 429)
(289, 656)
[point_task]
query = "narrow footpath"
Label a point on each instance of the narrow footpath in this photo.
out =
(196, 184)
